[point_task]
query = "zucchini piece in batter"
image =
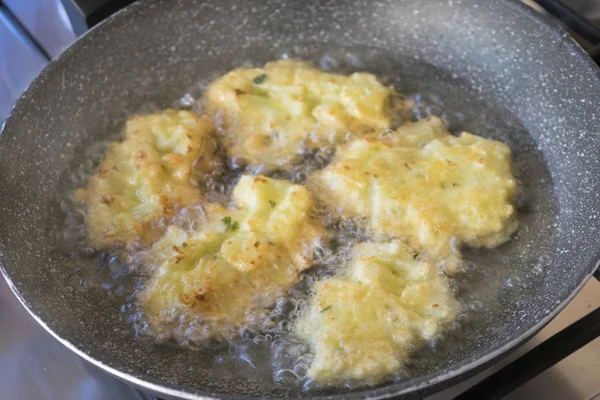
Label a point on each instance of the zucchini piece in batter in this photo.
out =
(435, 190)
(147, 177)
(268, 116)
(237, 262)
(362, 325)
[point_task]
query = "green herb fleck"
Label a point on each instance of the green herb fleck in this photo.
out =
(454, 184)
(443, 185)
(272, 203)
(230, 225)
(259, 79)
(184, 244)
(326, 308)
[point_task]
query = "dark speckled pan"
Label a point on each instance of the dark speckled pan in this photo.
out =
(513, 76)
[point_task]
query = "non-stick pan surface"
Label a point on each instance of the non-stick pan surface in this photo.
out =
(498, 69)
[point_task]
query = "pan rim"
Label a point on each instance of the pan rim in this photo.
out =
(424, 384)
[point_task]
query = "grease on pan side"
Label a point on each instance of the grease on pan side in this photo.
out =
(225, 274)
(268, 116)
(362, 325)
(147, 176)
(420, 183)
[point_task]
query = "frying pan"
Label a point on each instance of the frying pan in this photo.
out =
(496, 68)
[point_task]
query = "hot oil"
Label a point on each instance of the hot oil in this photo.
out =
(268, 348)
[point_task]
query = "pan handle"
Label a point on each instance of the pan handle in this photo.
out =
(84, 14)
(537, 360)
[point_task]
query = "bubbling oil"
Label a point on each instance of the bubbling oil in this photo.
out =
(266, 345)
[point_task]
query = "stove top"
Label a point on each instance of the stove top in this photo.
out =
(33, 365)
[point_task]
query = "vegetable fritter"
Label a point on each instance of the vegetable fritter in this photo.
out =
(211, 271)
(362, 325)
(147, 176)
(236, 262)
(435, 190)
(269, 116)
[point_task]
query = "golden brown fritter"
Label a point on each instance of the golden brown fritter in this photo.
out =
(268, 116)
(236, 263)
(363, 324)
(147, 176)
(422, 184)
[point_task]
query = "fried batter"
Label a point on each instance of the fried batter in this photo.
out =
(269, 116)
(236, 263)
(147, 176)
(422, 184)
(362, 325)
